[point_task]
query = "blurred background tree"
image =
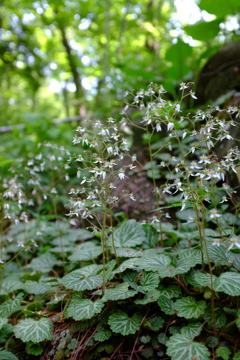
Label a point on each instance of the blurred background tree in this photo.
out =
(63, 58)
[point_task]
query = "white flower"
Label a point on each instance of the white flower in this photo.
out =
(109, 149)
(121, 175)
(216, 242)
(154, 220)
(177, 108)
(234, 241)
(204, 159)
(170, 126)
(183, 86)
(193, 95)
(104, 132)
(20, 244)
(85, 141)
(91, 196)
(214, 214)
(193, 165)
(158, 127)
(132, 197)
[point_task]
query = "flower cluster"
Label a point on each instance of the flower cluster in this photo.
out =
(196, 169)
(98, 169)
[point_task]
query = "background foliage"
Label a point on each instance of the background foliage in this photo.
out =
(158, 292)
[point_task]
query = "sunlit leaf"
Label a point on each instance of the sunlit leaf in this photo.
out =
(204, 31)
(220, 8)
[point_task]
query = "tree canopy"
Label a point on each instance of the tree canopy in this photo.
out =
(65, 57)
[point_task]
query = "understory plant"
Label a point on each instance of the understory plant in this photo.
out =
(167, 287)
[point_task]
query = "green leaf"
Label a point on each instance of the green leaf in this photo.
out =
(229, 283)
(162, 338)
(153, 263)
(154, 323)
(223, 352)
(119, 292)
(177, 54)
(145, 339)
(220, 8)
(34, 330)
(44, 263)
(182, 347)
(237, 356)
(126, 252)
(166, 305)
(3, 321)
(151, 236)
(189, 308)
(211, 341)
(204, 31)
(151, 296)
(10, 306)
(7, 355)
(86, 251)
(181, 266)
(33, 287)
(82, 309)
(220, 317)
(172, 291)
(11, 284)
(121, 323)
(205, 280)
(219, 255)
(149, 281)
(78, 281)
(102, 334)
(191, 254)
(129, 234)
(34, 349)
(4, 161)
(193, 329)
(127, 264)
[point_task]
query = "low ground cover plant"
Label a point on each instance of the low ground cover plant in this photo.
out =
(97, 285)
